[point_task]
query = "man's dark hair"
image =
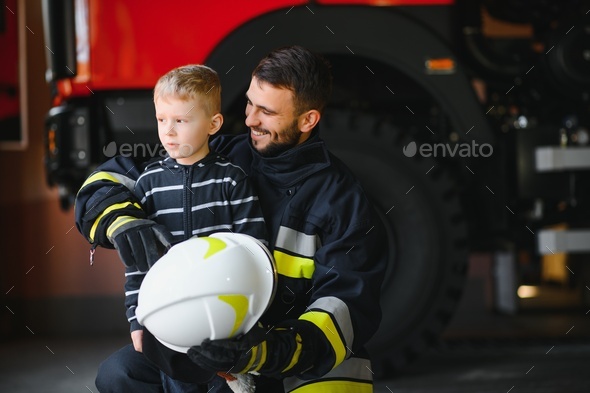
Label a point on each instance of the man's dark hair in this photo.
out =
(305, 73)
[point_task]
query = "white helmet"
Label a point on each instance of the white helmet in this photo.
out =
(207, 287)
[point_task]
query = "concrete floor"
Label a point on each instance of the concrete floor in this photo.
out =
(540, 350)
(53, 365)
(540, 366)
(41, 365)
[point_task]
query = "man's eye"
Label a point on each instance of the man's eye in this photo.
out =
(180, 121)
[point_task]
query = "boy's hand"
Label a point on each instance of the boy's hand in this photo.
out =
(140, 242)
(137, 338)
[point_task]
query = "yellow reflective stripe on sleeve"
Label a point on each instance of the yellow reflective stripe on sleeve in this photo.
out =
(340, 315)
(109, 176)
(295, 357)
(106, 211)
(259, 358)
(118, 222)
(352, 375)
(326, 324)
(292, 266)
(99, 176)
(335, 387)
(253, 355)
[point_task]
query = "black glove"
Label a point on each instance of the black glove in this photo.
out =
(140, 242)
(273, 352)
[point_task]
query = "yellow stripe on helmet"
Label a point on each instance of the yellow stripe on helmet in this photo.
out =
(240, 305)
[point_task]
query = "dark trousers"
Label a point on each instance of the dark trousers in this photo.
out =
(128, 371)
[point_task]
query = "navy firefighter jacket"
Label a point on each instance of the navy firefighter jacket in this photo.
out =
(326, 239)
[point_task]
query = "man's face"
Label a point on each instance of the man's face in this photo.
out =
(270, 115)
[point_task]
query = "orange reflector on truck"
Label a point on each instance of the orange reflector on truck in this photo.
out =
(442, 65)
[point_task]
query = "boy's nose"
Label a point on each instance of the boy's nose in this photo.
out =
(170, 130)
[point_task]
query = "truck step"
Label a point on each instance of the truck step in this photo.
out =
(551, 159)
(552, 241)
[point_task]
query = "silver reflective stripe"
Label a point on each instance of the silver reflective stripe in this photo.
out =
(230, 164)
(135, 273)
(296, 242)
(160, 189)
(258, 358)
(339, 310)
(350, 369)
(147, 173)
(211, 229)
(245, 220)
(126, 181)
(224, 203)
(212, 181)
(166, 211)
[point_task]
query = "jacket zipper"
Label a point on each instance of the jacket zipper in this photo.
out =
(187, 203)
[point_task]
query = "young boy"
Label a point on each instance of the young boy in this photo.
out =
(193, 191)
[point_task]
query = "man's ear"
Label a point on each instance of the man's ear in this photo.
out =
(216, 123)
(308, 120)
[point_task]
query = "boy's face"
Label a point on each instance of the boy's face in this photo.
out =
(270, 115)
(184, 128)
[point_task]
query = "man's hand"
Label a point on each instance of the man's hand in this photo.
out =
(140, 242)
(137, 338)
(231, 355)
(273, 352)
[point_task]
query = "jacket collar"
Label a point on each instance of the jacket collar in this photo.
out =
(294, 165)
(171, 163)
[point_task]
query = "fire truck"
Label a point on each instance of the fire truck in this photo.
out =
(465, 141)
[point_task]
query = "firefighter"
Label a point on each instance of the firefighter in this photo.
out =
(327, 242)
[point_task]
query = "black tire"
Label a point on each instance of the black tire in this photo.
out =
(427, 236)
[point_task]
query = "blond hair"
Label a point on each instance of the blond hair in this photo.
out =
(190, 82)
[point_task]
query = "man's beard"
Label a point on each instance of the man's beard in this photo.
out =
(291, 136)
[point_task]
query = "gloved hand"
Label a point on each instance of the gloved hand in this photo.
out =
(139, 242)
(273, 352)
